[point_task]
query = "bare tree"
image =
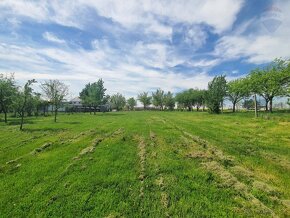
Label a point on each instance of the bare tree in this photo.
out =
(55, 91)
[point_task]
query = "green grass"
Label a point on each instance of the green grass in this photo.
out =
(146, 164)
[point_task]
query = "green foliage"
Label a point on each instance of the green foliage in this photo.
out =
(215, 94)
(131, 102)
(8, 92)
(158, 98)
(118, 101)
(190, 98)
(236, 90)
(26, 99)
(271, 81)
(169, 101)
(145, 99)
(94, 94)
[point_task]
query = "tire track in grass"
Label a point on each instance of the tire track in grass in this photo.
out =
(159, 182)
(214, 160)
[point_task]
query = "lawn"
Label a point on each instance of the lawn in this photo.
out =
(146, 164)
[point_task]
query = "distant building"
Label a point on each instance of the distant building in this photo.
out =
(75, 102)
(75, 105)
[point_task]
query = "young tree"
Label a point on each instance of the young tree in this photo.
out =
(216, 93)
(158, 98)
(131, 102)
(55, 91)
(118, 101)
(236, 91)
(8, 92)
(26, 96)
(144, 99)
(169, 100)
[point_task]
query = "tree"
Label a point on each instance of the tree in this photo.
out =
(55, 91)
(118, 101)
(271, 81)
(169, 100)
(95, 94)
(26, 96)
(131, 102)
(158, 98)
(84, 96)
(216, 93)
(8, 92)
(236, 90)
(144, 99)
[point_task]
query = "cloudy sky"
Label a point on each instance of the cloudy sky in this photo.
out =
(140, 45)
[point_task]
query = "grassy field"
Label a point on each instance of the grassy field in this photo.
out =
(146, 164)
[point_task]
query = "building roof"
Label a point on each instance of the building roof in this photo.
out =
(76, 99)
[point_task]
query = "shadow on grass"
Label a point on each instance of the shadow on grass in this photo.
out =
(17, 122)
(44, 130)
(72, 123)
(111, 114)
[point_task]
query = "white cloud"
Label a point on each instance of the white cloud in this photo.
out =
(52, 38)
(259, 46)
(78, 67)
(136, 12)
(130, 14)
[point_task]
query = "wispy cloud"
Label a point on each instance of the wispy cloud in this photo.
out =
(52, 38)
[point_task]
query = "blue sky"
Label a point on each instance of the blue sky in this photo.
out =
(139, 45)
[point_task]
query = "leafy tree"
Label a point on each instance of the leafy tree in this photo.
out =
(26, 97)
(236, 90)
(84, 96)
(169, 100)
(96, 94)
(270, 82)
(118, 101)
(216, 93)
(185, 99)
(8, 92)
(131, 102)
(158, 98)
(144, 99)
(55, 91)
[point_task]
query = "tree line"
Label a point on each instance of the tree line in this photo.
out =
(268, 83)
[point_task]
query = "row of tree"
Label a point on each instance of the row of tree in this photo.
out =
(23, 100)
(268, 82)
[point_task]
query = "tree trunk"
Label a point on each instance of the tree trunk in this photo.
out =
(55, 114)
(5, 116)
(222, 105)
(256, 106)
(234, 107)
(271, 105)
(22, 119)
